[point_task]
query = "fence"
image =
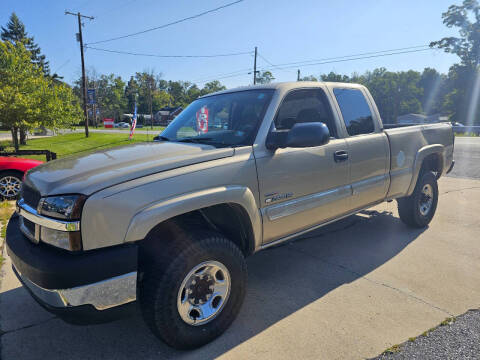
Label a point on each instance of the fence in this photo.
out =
(48, 154)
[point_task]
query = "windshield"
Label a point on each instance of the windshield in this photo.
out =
(229, 119)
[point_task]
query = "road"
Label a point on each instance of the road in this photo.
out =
(467, 157)
(347, 291)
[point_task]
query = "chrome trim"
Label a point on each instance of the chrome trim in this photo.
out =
(366, 184)
(102, 295)
(301, 232)
(31, 214)
(308, 202)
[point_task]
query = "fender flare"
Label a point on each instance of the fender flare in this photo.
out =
(419, 157)
(156, 213)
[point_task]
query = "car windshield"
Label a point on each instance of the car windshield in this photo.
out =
(229, 119)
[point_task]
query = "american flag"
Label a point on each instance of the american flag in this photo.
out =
(134, 122)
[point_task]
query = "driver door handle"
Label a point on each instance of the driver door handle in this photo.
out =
(340, 155)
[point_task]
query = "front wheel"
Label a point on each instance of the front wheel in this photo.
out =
(417, 210)
(193, 296)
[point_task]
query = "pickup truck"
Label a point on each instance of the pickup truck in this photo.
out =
(167, 225)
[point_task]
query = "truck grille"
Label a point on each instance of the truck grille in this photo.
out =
(30, 196)
(29, 225)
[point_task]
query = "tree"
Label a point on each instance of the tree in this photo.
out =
(265, 77)
(131, 91)
(435, 87)
(28, 99)
(211, 87)
(15, 33)
(334, 77)
(309, 78)
(462, 101)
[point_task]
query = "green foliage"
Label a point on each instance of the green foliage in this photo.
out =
(27, 98)
(462, 100)
(265, 77)
(15, 33)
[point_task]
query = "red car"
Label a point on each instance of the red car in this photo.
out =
(12, 170)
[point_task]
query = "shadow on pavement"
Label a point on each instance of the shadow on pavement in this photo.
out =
(282, 281)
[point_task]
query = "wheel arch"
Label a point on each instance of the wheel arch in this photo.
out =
(230, 210)
(430, 157)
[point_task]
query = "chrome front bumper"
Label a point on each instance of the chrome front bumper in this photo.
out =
(102, 295)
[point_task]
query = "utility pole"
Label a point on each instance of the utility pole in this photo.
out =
(298, 75)
(151, 101)
(84, 79)
(255, 67)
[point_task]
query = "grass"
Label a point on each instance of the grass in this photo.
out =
(77, 143)
(145, 128)
(392, 350)
(6, 210)
(396, 348)
(468, 134)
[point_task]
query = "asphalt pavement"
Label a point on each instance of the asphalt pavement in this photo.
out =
(467, 157)
(346, 291)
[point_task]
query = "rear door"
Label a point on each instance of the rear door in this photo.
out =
(368, 147)
(302, 187)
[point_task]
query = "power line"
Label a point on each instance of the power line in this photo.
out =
(360, 58)
(168, 24)
(275, 66)
(327, 61)
(168, 56)
(305, 62)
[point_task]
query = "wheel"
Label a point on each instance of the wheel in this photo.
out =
(10, 182)
(193, 294)
(417, 210)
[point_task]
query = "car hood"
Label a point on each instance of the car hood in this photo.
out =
(90, 173)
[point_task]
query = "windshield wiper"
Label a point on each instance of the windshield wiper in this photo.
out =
(194, 139)
(161, 138)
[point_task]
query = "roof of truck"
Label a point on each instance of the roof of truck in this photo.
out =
(286, 86)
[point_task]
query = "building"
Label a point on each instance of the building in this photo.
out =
(166, 114)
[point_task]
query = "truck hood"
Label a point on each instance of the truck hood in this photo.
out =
(89, 173)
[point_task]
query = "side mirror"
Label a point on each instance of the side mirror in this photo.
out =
(301, 135)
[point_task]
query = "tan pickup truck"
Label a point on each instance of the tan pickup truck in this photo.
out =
(167, 225)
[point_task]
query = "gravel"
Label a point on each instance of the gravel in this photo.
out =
(457, 340)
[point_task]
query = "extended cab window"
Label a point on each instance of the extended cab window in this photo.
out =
(306, 105)
(355, 111)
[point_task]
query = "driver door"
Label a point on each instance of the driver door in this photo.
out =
(303, 187)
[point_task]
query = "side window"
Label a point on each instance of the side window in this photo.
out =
(306, 105)
(355, 111)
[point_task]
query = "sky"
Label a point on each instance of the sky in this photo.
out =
(284, 32)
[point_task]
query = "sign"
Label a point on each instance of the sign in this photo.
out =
(202, 120)
(90, 96)
(108, 123)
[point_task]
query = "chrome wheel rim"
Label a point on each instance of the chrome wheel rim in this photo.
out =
(10, 186)
(203, 293)
(426, 199)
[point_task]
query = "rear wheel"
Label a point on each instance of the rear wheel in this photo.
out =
(418, 209)
(193, 294)
(10, 182)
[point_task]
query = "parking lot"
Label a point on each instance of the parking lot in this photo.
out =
(349, 290)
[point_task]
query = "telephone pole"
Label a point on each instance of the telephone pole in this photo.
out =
(84, 79)
(255, 67)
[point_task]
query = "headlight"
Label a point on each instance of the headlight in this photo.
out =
(65, 207)
(69, 240)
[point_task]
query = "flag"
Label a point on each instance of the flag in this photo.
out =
(134, 122)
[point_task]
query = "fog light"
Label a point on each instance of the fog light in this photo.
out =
(69, 240)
